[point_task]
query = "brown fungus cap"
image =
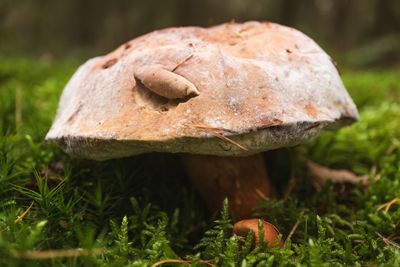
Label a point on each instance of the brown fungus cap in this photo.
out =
(262, 85)
(270, 232)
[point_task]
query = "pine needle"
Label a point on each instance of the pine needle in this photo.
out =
(186, 59)
(213, 131)
(185, 262)
(261, 194)
(18, 107)
(293, 230)
(20, 217)
(202, 126)
(223, 137)
(386, 206)
(61, 253)
(388, 242)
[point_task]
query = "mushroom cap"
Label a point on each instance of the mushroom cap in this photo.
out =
(271, 233)
(229, 90)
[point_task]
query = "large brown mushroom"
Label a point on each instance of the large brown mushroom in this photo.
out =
(221, 95)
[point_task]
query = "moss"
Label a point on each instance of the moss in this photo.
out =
(142, 210)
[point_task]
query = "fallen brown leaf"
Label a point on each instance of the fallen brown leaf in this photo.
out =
(321, 175)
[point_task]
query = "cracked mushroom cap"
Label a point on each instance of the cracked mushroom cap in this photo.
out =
(229, 90)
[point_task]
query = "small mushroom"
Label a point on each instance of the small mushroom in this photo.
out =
(271, 233)
(244, 99)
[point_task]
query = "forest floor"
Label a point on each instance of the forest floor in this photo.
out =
(142, 211)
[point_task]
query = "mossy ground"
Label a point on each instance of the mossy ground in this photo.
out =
(140, 210)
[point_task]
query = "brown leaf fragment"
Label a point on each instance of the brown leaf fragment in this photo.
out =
(321, 175)
(166, 83)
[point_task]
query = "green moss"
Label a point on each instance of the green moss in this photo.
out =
(143, 210)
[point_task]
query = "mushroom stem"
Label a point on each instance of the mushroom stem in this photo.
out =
(243, 180)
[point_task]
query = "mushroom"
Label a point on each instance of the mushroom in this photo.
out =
(270, 232)
(219, 95)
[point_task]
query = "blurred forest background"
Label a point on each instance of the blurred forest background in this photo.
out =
(357, 33)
